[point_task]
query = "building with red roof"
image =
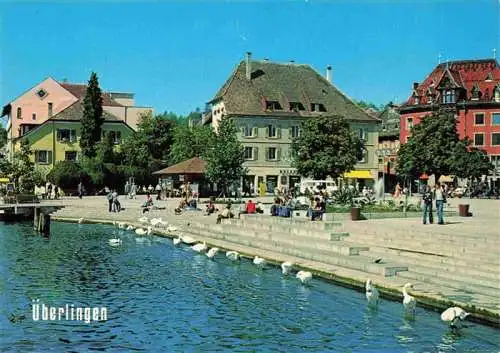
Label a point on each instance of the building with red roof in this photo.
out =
(471, 90)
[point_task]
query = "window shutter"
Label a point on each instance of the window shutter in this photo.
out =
(278, 153)
(49, 157)
(58, 134)
(267, 154)
(255, 153)
(278, 132)
(36, 156)
(242, 131)
(290, 133)
(255, 131)
(72, 135)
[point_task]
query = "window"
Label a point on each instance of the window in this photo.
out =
(272, 131)
(409, 123)
(273, 105)
(41, 93)
(496, 94)
(19, 113)
(362, 134)
(70, 155)
(495, 160)
(478, 139)
(115, 136)
(318, 107)
(43, 157)
(495, 119)
(416, 100)
(296, 106)
(495, 139)
(272, 154)
(249, 131)
(248, 153)
(49, 107)
(364, 157)
(66, 135)
(295, 131)
(33, 116)
(479, 119)
(475, 93)
(448, 96)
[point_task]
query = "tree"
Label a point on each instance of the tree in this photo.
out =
(66, 174)
(365, 105)
(326, 147)
(105, 150)
(92, 117)
(225, 157)
(3, 137)
(190, 142)
(24, 174)
(434, 147)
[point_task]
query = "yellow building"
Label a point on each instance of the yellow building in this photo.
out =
(58, 138)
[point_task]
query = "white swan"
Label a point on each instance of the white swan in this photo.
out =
(122, 225)
(259, 261)
(176, 241)
(144, 220)
(149, 230)
(200, 247)
(372, 294)
(454, 315)
(409, 302)
(304, 276)
(80, 220)
(286, 268)
(141, 231)
(115, 242)
(130, 227)
(233, 255)
(186, 239)
(212, 252)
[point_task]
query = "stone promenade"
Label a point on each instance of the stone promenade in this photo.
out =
(457, 263)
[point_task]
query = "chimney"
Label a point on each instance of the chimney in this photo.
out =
(415, 85)
(249, 66)
(329, 73)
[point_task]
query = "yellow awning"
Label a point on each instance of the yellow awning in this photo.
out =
(4, 180)
(358, 174)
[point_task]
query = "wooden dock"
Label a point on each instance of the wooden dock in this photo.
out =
(39, 211)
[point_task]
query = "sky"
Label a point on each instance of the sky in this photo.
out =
(175, 55)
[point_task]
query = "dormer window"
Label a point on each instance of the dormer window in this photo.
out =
(489, 78)
(496, 94)
(273, 105)
(296, 106)
(41, 93)
(318, 107)
(475, 93)
(430, 96)
(449, 96)
(416, 100)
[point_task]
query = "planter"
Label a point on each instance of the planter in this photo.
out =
(355, 213)
(463, 210)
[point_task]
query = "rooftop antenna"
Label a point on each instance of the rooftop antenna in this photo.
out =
(447, 64)
(439, 58)
(494, 53)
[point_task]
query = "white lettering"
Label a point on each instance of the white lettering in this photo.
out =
(52, 314)
(45, 312)
(87, 315)
(36, 310)
(61, 311)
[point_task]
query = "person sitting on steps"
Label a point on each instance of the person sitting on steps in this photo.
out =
(225, 214)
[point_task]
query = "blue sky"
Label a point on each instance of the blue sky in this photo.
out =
(175, 55)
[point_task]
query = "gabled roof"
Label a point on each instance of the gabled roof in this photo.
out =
(78, 90)
(464, 74)
(284, 83)
(194, 165)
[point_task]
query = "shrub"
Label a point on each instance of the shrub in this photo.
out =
(67, 175)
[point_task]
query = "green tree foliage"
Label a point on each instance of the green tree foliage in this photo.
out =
(95, 169)
(66, 174)
(23, 173)
(92, 117)
(365, 105)
(190, 142)
(105, 150)
(326, 147)
(434, 147)
(225, 157)
(3, 137)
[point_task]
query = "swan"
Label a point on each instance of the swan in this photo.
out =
(286, 268)
(141, 231)
(454, 315)
(177, 241)
(144, 220)
(259, 261)
(371, 293)
(304, 276)
(149, 230)
(212, 252)
(130, 227)
(186, 239)
(122, 225)
(200, 247)
(409, 302)
(115, 242)
(233, 255)
(80, 220)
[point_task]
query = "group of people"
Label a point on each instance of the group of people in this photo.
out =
(428, 195)
(114, 204)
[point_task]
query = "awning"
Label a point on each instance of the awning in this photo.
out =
(191, 166)
(446, 179)
(358, 174)
(4, 180)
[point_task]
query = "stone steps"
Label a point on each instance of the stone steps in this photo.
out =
(359, 262)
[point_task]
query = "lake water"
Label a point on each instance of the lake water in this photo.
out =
(165, 299)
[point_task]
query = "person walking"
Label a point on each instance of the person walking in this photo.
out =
(81, 190)
(158, 191)
(427, 203)
(440, 201)
(109, 196)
